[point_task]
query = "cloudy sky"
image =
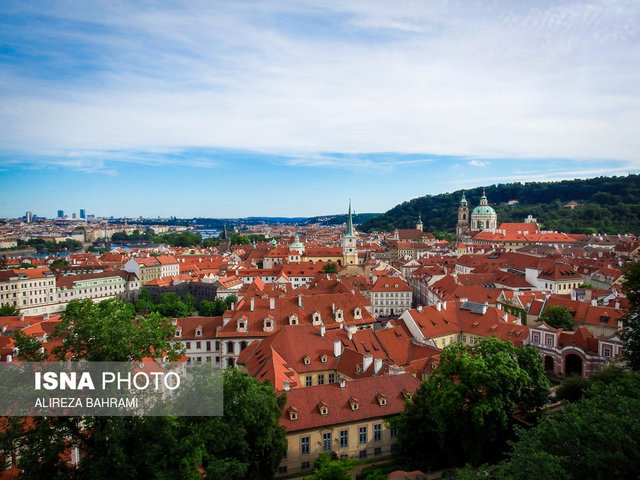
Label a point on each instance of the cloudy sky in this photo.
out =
(205, 108)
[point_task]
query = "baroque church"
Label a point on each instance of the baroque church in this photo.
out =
(483, 217)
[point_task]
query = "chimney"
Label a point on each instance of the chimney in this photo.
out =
(233, 306)
(251, 304)
(444, 305)
(349, 334)
(300, 300)
(367, 360)
(272, 303)
(594, 302)
(505, 317)
(617, 304)
(322, 330)
(484, 309)
(22, 317)
(9, 358)
(419, 309)
(174, 321)
(439, 306)
(377, 365)
(343, 383)
(285, 386)
(333, 308)
(337, 348)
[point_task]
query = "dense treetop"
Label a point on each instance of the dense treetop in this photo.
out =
(607, 205)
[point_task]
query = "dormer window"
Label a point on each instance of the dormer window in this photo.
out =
(178, 332)
(323, 358)
(357, 313)
(199, 331)
(268, 324)
(339, 316)
(293, 319)
(323, 408)
(242, 324)
(307, 360)
(316, 319)
(293, 413)
(406, 394)
(354, 403)
(382, 399)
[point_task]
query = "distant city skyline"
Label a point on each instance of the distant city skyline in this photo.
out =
(282, 108)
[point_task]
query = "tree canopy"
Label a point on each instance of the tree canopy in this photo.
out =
(631, 288)
(607, 205)
(557, 316)
(246, 442)
(465, 410)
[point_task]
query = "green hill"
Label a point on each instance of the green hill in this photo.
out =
(608, 205)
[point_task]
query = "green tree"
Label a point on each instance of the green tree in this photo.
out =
(573, 388)
(330, 268)
(8, 311)
(557, 316)
(110, 332)
(29, 348)
(465, 410)
(59, 262)
(247, 441)
(596, 437)
(329, 467)
(631, 335)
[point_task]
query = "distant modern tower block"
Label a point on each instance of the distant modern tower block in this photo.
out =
(83, 214)
(28, 217)
(74, 215)
(60, 213)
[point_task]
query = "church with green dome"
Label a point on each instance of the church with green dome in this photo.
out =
(483, 217)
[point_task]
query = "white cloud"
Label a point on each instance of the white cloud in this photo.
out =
(477, 79)
(478, 163)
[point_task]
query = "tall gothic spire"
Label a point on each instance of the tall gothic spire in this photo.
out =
(349, 223)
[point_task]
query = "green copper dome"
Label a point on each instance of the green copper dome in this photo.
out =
(296, 243)
(483, 210)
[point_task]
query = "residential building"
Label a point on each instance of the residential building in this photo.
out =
(390, 296)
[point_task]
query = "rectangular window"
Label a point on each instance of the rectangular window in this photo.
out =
(332, 378)
(363, 435)
(377, 432)
(321, 379)
(549, 341)
(198, 345)
(377, 451)
(326, 442)
(344, 438)
(308, 381)
(363, 454)
(188, 345)
(394, 430)
(606, 351)
(304, 445)
(536, 339)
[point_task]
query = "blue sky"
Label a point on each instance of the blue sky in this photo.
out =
(290, 108)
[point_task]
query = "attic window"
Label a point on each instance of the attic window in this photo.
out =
(396, 285)
(382, 399)
(178, 332)
(316, 319)
(604, 319)
(293, 413)
(307, 360)
(293, 320)
(198, 331)
(353, 402)
(324, 409)
(338, 315)
(323, 359)
(357, 313)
